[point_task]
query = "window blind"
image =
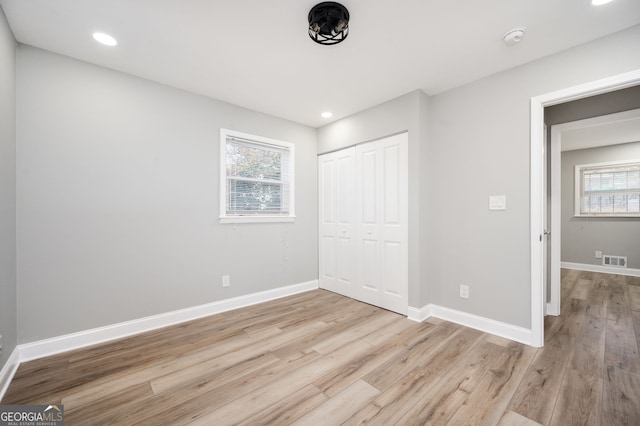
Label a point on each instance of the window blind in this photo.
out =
(258, 178)
(610, 190)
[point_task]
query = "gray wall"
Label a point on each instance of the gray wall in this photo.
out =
(8, 314)
(118, 186)
(473, 142)
(483, 130)
(406, 113)
(582, 236)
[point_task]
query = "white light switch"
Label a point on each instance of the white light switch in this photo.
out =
(497, 202)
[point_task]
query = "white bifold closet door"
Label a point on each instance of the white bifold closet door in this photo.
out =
(363, 222)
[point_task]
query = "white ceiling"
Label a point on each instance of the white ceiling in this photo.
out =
(257, 54)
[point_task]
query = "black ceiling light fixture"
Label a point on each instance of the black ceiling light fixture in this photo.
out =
(328, 23)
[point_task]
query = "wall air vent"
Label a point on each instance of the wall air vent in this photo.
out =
(617, 261)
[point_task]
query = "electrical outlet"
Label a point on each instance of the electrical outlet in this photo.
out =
(226, 281)
(598, 254)
(464, 291)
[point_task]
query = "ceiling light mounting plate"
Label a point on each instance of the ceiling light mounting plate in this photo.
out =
(328, 23)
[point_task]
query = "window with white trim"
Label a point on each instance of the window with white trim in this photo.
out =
(608, 189)
(257, 182)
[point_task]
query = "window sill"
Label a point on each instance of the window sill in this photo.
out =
(608, 216)
(257, 219)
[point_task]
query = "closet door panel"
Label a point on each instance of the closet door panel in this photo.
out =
(335, 187)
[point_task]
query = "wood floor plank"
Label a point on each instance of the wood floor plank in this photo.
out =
(632, 281)
(379, 320)
(392, 404)
(445, 396)
(456, 348)
(621, 347)
(587, 354)
(487, 403)
(339, 408)
(514, 419)
(634, 297)
(288, 410)
(579, 401)
(621, 396)
(581, 289)
(562, 333)
(221, 369)
(354, 369)
(537, 394)
(475, 364)
(567, 284)
(416, 353)
(635, 315)
(395, 331)
(351, 317)
(123, 400)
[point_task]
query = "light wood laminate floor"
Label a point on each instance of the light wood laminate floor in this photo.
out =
(321, 359)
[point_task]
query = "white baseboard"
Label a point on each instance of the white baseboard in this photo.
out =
(52, 346)
(7, 372)
(552, 310)
(601, 268)
(508, 331)
(419, 314)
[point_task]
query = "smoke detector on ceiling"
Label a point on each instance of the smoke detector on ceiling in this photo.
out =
(513, 36)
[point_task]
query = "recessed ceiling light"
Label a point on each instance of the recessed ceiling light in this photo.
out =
(326, 114)
(600, 2)
(105, 39)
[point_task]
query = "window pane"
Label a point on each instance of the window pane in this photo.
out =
(254, 197)
(620, 203)
(588, 186)
(253, 162)
(620, 180)
(606, 203)
(634, 180)
(634, 203)
(606, 181)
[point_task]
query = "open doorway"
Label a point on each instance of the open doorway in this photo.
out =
(579, 238)
(538, 191)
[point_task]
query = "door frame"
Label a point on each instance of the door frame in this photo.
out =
(537, 191)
